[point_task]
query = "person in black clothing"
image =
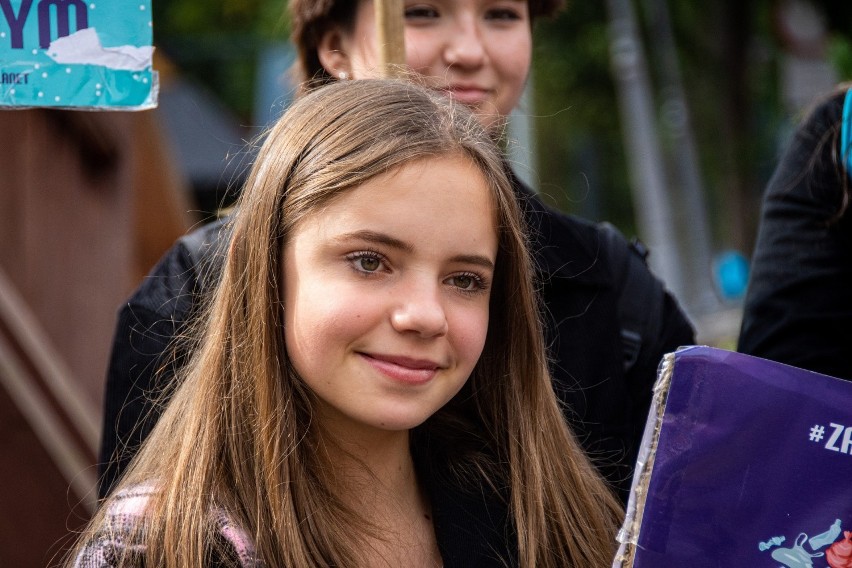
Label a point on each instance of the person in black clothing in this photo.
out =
(798, 307)
(608, 320)
(370, 383)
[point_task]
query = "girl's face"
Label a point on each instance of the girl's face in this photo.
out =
(476, 51)
(386, 295)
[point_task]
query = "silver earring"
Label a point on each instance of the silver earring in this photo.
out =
(343, 75)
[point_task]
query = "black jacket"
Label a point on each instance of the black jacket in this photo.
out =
(798, 309)
(586, 273)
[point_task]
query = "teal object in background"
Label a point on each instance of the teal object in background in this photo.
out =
(731, 274)
(77, 54)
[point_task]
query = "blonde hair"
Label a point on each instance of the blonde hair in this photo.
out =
(237, 433)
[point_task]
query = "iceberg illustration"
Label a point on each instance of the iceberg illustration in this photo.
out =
(84, 47)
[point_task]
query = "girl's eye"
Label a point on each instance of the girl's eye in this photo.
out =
(503, 14)
(467, 282)
(420, 13)
(463, 282)
(369, 264)
(366, 262)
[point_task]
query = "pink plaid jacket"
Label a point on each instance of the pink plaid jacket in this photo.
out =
(115, 540)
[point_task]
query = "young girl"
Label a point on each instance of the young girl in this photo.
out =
(370, 387)
(608, 320)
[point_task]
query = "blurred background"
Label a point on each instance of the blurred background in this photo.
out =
(663, 118)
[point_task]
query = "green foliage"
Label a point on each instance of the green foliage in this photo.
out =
(580, 162)
(217, 43)
(840, 54)
(727, 63)
(263, 19)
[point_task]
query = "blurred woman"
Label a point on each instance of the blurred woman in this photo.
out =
(798, 308)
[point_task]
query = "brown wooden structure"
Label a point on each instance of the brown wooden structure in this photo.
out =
(88, 202)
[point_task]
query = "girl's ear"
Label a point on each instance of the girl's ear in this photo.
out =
(332, 55)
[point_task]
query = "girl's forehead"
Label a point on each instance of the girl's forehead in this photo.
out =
(452, 189)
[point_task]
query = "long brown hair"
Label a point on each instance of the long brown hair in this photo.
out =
(237, 433)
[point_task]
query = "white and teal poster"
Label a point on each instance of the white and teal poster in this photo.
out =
(93, 54)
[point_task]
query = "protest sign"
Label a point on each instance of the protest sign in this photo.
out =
(745, 462)
(77, 54)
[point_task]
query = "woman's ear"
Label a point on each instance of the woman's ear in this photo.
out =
(332, 55)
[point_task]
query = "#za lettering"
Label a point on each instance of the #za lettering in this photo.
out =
(840, 439)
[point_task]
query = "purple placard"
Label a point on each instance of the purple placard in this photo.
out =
(753, 467)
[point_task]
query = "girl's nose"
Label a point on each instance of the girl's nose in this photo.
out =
(465, 48)
(420, 311)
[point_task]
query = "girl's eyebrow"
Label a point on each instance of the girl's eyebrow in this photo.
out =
(392, 242)
(377, 238)
(476, 259)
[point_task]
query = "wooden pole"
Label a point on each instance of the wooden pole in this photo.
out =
(390, 27)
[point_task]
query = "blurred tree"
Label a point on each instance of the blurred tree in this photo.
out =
(839, 19)
(730, 64)
(217, 43)
(727, 62)
(728, 55)
(581, 158)
(840, 52)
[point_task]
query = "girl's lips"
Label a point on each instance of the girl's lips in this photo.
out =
(403, 369)
(468, 95)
